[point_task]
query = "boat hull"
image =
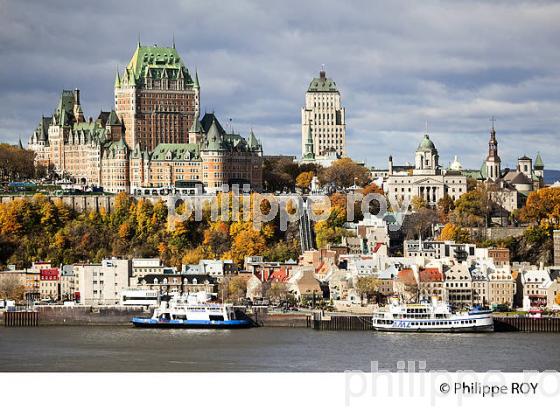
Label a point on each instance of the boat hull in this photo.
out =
(192, 324)
(470, 329)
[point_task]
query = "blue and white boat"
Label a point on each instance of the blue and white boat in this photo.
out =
(188, 313)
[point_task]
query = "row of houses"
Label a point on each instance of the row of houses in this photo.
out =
(329, 274)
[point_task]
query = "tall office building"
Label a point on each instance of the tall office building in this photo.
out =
(323, 121)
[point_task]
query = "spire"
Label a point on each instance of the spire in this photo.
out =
(253, 143)
(493, 143)
(173, 41)
(309, 154)
(196, 84)
(117, 79)
(139, 45)
(539, 164)
(20, 144)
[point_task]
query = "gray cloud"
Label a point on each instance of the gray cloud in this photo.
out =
(397, 64)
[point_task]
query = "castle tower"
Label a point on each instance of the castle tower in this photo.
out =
(324, 110)
(156, 98)
(493, 161)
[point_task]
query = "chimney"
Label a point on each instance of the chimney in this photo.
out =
(322, 74)
(76, 96)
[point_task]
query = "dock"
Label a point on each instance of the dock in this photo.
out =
(21, 318)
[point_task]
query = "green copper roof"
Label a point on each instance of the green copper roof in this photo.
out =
(322, 84)
(253, 142)
(214, 138)
(175, 152)
(157, 62)
(483, 171)
(65, 109)
(196, 126)
(538, 161)
(113, 119)
(426, 144)
(117, 80)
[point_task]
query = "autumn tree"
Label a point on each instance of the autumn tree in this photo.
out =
(278, 291)
(543, 208)
(237, 287)
(452, 232)
(444, 206)
(303, 180)
(11, 287)
(16, 164)
(472, 209)
(417, 203)
(367, 286)
(344, 173)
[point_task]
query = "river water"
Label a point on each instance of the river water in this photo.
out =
(121, 348)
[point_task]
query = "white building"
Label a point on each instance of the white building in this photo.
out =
(533, 283)
(102, 284)
(323, 122)
(426, 179)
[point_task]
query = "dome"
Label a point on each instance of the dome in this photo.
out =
(456, 165)
(426, 144)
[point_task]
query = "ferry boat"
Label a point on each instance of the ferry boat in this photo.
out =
(188, 312)
(434, 317)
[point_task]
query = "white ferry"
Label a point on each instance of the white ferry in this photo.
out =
(434, 317)
(189, 312)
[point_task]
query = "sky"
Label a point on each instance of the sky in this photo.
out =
(397, 65)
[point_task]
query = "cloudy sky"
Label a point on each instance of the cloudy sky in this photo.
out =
(397, 64)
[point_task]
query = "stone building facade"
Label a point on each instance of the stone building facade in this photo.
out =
(426, 179)
(153, 138)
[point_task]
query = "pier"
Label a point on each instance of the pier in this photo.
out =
(21, 319)
(526, 324)
(341, 322)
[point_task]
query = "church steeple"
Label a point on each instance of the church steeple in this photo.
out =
(493, 161)
(309, 152)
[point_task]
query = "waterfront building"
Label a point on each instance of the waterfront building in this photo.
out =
(501, 286)
(303, 284)
(386, 281)
(101, 284)
(430, 284)
(177, 283)
(323, 122)
(216, 268)
(533, 282)
(458, 285)
(480, 284)
(49, 285)
(406, 285)
(426, 179)
(552, 289)
(67, 283)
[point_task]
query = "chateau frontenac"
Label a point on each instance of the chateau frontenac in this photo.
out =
(154, 138)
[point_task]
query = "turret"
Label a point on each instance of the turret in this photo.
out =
(539, 166)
